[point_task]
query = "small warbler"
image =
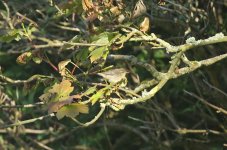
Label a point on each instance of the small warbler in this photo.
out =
(114, 75)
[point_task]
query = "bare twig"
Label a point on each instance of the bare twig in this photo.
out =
(215, 88)
(27, 121)
(22, 106)
(103, 106)
(218, 109)
(32, 78)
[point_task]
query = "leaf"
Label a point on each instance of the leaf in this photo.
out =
(24, 58)
(61, 66)
(10, 35)
(97, 96)
(72, 110)
(90, 90)
(159, 54)
(55, 106)
(97, 53)
(87, 4)
(46, 97)
(82, 55)
(99, 39)
(37, 60)
(63, 90)
(58, 92)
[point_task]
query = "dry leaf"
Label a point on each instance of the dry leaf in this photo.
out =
(115, 10)
(139, 9)
(24, 58)
(145, 25)
(87, 5)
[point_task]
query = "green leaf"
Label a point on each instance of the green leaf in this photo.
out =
(159, 54)
(37, 60)
(90, 90)
(9, 35)
(72, 110)
(97, 53)
(97, 96)
(99, 40)
(82, 55)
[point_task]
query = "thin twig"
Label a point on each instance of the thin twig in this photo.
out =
(218, 109)
(27, 121)
(103, 106)
(22, 106)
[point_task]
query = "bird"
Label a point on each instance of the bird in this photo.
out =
(114, 75)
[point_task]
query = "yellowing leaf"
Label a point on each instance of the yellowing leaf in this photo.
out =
(63, 90)
(46, 97)
(62, 64)
(61, 67)
(145, 25)
(10, 35)
(58, 92)
(71, 110)
(87, 4)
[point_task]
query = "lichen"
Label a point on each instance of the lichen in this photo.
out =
(191, 40)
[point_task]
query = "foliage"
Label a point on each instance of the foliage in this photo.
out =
(64, 59)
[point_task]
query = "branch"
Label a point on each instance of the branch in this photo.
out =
(134, 61)
(22, 106)
(192, 43)
(198, 64)
(27, 121)
(218, 109)
(32, 78)
(103, 106)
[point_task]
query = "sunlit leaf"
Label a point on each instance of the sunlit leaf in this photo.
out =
(37, 60)
(97, 53)
(58, 92)
(72, 110)
(101, 39)
(62, 64)
(94, 98)
(90, 90)
(9, 35)
(63, 90)
(87, 4)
